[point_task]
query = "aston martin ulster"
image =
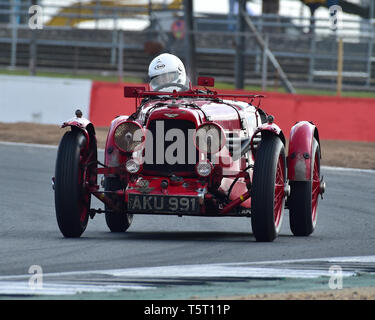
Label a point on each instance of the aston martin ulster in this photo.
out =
(191, 152)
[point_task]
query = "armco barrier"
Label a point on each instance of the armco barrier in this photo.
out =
(337, 118)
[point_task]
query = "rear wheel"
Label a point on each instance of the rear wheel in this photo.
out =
(303, 201)
(116, 221)
(268, 189)
(72, 200)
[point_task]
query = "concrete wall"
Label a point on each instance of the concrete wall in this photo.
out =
(42, 100)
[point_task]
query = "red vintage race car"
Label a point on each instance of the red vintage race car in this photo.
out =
(196, 153)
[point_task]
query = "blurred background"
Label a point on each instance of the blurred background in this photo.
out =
(292, 46)
(314, 59)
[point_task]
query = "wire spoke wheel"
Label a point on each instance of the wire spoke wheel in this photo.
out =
(116, 221)
(268, 195)
(84, 197)
(279, 191)
(303, 201)
(72, 174)
(315, 187)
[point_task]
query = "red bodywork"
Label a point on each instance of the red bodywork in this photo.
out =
(300, 151)
(226, 190)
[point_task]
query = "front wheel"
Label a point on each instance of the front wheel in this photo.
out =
(268, 189)
(116, 221)
(72, 200)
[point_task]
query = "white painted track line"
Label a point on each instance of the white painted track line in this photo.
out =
(215, 269)
(68, 283)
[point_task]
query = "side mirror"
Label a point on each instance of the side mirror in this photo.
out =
(206, 81)
(133, 92)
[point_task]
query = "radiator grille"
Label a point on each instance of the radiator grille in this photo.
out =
(171, 149)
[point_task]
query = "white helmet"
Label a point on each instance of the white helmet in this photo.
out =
(167, 69)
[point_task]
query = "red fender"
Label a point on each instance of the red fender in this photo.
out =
(269, 127)
(85, 126)
(300, 150)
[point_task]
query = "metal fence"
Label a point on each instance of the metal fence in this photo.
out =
(308, 55)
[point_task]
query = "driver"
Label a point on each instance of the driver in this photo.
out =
(167, 73)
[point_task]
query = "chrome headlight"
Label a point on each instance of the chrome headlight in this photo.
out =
(129, 136)
(132, 166)
(203, 168)
(209, 138)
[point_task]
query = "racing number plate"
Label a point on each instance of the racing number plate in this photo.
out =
(162, 204)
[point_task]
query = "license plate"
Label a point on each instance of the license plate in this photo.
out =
(162, 204)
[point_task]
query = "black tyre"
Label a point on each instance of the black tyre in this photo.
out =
(116, 221)
(72, 201)
(303, 200)
(268, 188)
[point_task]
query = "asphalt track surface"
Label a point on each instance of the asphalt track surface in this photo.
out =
(29, 234)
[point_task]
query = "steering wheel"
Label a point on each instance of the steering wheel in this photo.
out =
(167, 85)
